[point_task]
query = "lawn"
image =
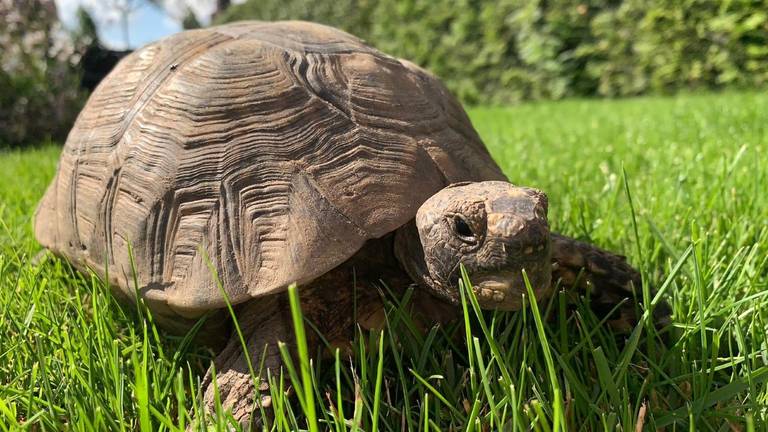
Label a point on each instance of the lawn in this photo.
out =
(678, 185)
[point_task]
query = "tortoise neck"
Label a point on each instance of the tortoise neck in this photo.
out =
(410, 254)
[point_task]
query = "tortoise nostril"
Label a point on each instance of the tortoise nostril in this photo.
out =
(530, 241)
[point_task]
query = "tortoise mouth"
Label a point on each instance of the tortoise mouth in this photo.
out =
(504, 290)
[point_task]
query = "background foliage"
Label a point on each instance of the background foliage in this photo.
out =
(502, 51)
(40, 93)
(488, 51)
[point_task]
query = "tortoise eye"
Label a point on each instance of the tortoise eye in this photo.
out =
(462, 229)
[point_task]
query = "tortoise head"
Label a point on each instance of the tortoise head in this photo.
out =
(494, 229)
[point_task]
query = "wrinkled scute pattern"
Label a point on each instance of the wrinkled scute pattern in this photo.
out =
(269, 152)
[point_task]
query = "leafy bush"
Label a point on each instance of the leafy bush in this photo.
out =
(40, 92)
(501, 51)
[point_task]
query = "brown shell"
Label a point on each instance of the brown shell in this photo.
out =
(269, 152)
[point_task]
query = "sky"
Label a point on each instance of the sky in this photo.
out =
(146, 24)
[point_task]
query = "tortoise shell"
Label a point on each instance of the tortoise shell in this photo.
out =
(256, 154)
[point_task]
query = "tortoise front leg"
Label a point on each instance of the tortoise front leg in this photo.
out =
(329, 303)
(263, 321)
(606, 278)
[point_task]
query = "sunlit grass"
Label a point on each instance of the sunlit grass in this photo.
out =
(696, 226)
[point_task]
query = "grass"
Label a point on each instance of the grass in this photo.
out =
(695, 172)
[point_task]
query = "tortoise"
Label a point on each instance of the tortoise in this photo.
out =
(264, 154)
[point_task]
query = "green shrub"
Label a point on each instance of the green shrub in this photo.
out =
(509, 50)
(40, 92)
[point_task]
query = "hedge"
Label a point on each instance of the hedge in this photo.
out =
(40, 92)
(502, 51)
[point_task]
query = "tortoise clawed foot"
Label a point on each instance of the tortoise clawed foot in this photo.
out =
(611, 285)
(235, 394)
